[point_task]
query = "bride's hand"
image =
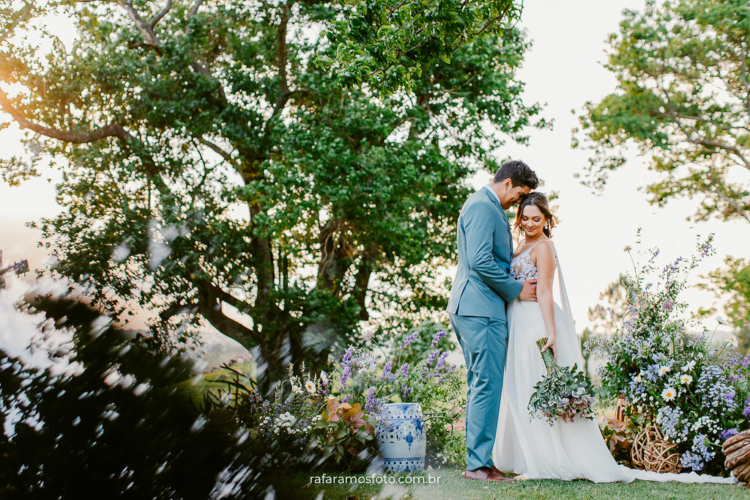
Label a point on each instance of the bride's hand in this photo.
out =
(551, 344)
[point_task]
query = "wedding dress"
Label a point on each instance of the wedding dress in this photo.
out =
(565, 450)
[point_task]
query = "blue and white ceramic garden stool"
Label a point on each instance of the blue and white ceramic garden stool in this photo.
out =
(401, 437)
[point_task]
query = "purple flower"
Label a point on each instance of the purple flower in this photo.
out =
(405, 391)
(446, 373)
(432, 358)
(667, 305)
(441, 361)
(728, 433)
(347, 356)
(410, 339)
(372, 404)
(438, 336)
(345, 375)
(387, 375)
(405, 370)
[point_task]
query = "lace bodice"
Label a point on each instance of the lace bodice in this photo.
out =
(521, 266)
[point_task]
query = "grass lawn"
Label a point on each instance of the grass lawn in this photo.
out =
(451, 485)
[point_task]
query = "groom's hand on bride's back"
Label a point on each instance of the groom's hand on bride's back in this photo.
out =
(528, 292)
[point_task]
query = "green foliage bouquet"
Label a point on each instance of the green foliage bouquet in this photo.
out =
(563, 394)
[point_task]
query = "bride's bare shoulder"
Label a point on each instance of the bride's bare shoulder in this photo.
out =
(543, 252)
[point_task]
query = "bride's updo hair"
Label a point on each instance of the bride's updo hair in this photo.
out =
(537, 199)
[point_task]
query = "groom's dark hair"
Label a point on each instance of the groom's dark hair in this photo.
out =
(519, 174)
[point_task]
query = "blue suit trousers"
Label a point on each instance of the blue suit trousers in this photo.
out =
(484, 342)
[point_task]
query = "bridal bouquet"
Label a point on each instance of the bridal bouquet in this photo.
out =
(564, 393)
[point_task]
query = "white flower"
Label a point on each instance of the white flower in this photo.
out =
(668, 394)
(331, 396)
(324, 378)
(663, 370)
(310, 386)
(287, 419)
(639, 377)
(689, 366)
(733, 340)
(720, 320)
(296, 389)
(685, 379)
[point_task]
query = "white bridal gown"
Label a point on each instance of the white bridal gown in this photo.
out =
(531, 446)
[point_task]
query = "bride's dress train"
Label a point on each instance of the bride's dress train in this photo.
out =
(564, 450)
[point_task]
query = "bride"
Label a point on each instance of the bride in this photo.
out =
(530, 446)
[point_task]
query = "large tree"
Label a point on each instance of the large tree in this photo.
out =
(683, 99)
(733, 284)
(209, 163)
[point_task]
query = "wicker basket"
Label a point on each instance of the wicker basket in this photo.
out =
(653, 453)
(737, 452)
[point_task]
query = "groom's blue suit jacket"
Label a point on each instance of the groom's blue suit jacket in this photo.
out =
(483, 283)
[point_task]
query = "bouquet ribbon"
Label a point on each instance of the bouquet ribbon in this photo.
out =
(547, 356)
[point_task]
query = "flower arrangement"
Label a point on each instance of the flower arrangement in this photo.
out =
(414, 371)
(563, 393)
(676, 379)
(361, 377)
(301, 426)
(326, 420)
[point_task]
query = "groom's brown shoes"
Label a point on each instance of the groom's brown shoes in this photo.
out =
(485, 474)
(507, 476)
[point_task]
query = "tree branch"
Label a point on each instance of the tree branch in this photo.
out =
(716, 124)
(362, 280)
(721, 145)
(492, 21)
(23, 15)
(158, 17)
(111, 130)
(210, 298)
(147, 31)
(195, 7)
(733, 203)
(281, 60)
(216, 149)
(395, 8)
(144, 27)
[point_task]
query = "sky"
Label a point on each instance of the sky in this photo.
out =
(562, 70)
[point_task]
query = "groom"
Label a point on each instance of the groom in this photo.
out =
(479, 295)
